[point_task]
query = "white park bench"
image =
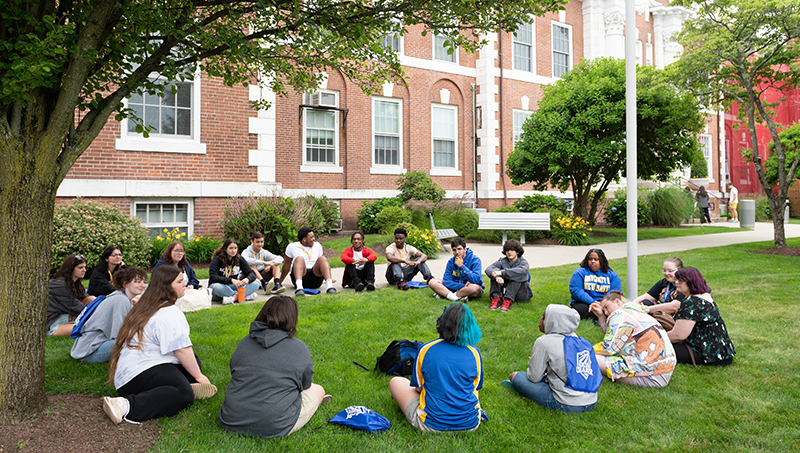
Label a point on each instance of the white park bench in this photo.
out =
(514, 221)
(442, 233)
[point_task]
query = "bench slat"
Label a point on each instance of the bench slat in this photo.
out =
(515, 221)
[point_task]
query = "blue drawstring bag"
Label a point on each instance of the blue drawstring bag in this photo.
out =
(359, 417)
(311, 291)
(413, 284)
(87, 312)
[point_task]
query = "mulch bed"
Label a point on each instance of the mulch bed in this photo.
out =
(77, 423)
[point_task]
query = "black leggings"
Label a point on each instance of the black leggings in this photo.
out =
(583, 310)
(160, 391)
(683, 356)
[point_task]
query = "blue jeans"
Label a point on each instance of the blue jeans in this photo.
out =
(541, 393)
(101, 354)
(220, 290)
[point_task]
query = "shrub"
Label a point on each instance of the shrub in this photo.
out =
(200, 249)
(160, 243)
(416, 185)
(390, 217)
(368, 212)
(425, 241)
(274, 216)
(82, 227)
(322, 214)
(699, 167)
(571, 230)
(464, 221)
(616, 212)
(669, 206)
(532, 203)
(763, 211)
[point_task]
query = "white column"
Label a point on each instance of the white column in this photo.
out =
(488, 129)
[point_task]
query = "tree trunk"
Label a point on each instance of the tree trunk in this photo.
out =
(27, 200)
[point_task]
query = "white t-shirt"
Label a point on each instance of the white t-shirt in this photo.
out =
(408, 252)
(734, 195)
(165, 332)
(310, 254)
(358, 255)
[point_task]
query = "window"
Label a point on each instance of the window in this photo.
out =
(705, 146)
(562, 54)
(386, 127)
(648, 54)
(320, 137)
(443, 128)
(440, 51)
(158, 215)
(523, 47)
(519, 119)
(638, 52)
(391, 41)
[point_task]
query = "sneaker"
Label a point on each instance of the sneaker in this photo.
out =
(359, 287)
(436, 296)
(506, 304)
(495, 302)
(463, 300)
(268, 287)
(370, 287)
(115, 408)
(278, 289)
(326, 399)
(428, 279)
(507, 384)
(332, 291)
(227, 300)
(403, 286)
(299, 293)
(250, 297)
(203, 391)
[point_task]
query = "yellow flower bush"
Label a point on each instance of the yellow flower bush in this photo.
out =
(425, 241)
(570, 230)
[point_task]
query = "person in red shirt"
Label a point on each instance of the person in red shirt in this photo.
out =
(359, 270)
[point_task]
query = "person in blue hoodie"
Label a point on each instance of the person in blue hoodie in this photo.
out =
(462, 278)
(591, 282)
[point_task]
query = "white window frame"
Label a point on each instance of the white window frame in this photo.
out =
(648, 54)
(454, 55)
(531, 46)
(385, 169)
(639, 57)
(517, 128)
(553, 49)
(399, 38)
(162, 201)
(132, 141)
(319, 167)
(446, 171)
(705, 145)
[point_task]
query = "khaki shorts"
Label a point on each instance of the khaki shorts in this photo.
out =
(413, 417)
(309, 406)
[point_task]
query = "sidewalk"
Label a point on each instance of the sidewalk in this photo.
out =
(557, 255)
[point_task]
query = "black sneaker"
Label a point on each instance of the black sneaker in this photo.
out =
(370, 287)
(331, 291)
(278, 289)
(299, 293)
(359, 287)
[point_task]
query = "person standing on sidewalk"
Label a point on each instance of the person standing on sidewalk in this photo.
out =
(702, 203)
(733, 202)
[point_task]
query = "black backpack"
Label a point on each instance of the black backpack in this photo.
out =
(399, 358)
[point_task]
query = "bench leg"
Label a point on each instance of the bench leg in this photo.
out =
(504, 237)
(522, 238)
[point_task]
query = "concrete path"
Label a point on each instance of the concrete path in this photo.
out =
(557, 255)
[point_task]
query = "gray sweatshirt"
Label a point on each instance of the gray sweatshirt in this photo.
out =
(257, 260)
(548, 355)
(268, 372)
(103, 325)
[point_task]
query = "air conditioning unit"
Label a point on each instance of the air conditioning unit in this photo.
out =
(315, 98)
(318, 98)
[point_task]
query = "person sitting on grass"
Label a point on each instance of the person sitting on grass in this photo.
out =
(545, 380)
(101, 283)
(442, 394)
(175, 255)
(271, 393)
(405, 261)
(228, 272)
(153, 366)
(509, 277)
(309, 267)
(99, 333)
(664, 291)
(67, 298)
(359, 265)
(591, 281)
(266, 265)
(699, 335)
(636, 349)
(462, 278)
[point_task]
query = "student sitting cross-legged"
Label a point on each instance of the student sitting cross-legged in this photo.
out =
(359, 265)
(309, 267)
(405, 261)
(228, 272)
(266, 265)
(462, 278)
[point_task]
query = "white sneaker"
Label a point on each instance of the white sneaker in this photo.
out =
(250, 297)
(227, 300)
(203, 391)
(115, 408)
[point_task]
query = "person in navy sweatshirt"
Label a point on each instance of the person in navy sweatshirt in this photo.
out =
(462, 278)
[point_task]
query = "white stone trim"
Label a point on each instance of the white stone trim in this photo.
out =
(121, 188)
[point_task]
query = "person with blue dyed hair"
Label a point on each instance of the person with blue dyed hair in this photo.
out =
(442, 394)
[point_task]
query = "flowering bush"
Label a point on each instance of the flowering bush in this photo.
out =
(570, 230)
(535, 202)
(424, 240)
(82, 227)
(367, 215)
(163, 240)
(616, 212)
(198, 248)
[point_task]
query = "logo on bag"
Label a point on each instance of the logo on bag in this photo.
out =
(353, 411)
(584, 364)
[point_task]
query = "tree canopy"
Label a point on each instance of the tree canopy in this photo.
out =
(576, 137)
(63, 56)
(738, 51)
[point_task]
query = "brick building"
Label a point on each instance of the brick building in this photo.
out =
(456, 118)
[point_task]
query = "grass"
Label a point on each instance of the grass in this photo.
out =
(748, 406)
(621, 234)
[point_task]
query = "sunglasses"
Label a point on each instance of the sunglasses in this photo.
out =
(80, 257)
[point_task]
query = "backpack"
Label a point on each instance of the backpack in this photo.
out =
(86, 313)
(399, 358)
(583, 372)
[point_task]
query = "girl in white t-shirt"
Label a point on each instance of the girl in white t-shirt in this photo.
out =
(153, 366)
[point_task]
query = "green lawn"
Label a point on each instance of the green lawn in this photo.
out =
(751, 405)
(621, 234)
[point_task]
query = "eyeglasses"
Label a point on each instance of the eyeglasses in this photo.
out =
(669, 271)
(80, 257)
(116, 254)
(179, 252)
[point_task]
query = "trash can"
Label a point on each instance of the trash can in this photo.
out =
(747, 213)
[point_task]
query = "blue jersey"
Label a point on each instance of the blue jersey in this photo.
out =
(450, 377)
(587, 286)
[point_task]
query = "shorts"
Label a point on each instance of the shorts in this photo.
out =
(62, 319)
(733, 206)
(413, 417)
(308, 407)
(310, 280)
(659, 380)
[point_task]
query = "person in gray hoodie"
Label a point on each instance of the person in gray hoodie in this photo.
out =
(544, 382)
(509, 277)
(271, 393)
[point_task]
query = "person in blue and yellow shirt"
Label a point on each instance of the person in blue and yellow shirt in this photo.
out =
(442, 394)
(462, 278)
(591, 282)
